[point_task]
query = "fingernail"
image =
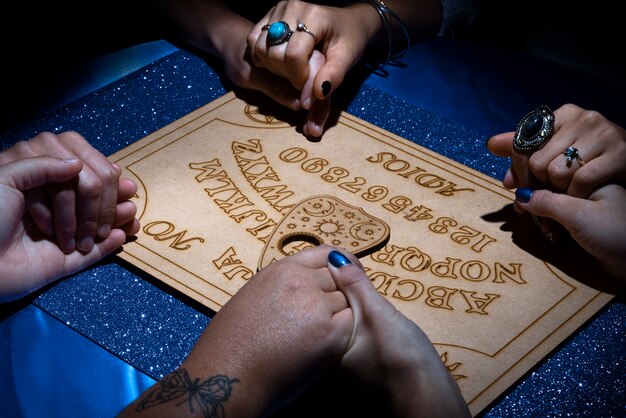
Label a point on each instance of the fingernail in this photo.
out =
(104, 230)
(86, 244)
(70, 160)
(326, 87)
(337, 259)
(69, 246)
(523, 194)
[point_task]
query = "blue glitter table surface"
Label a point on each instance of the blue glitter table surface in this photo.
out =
(152, 328)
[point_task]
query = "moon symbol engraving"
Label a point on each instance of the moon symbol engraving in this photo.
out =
(320, 211)
(357, 229)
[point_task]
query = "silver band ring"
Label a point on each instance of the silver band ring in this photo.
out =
(302, 28)
(534, 130)
(571, 153)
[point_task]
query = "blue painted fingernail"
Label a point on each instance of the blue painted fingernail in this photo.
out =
(326, 86)
(523, 194)
(337, 259)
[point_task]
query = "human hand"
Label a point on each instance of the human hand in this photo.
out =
(29, 259)
(388, 350)
(600, 143)
(597, 224)
(341, 34)
(82, 209)
(239, 69)
(279, 332)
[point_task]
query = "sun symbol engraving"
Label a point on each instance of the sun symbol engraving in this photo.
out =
(254, 114)
(291, 226)
(327, 227)
(350, 215)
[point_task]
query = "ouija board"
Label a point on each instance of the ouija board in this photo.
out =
(229, 188)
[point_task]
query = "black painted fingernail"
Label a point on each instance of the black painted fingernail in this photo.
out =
(326, 86)
(523, 194)
(337, 259)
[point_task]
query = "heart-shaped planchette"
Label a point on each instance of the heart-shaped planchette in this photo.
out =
(324, 219)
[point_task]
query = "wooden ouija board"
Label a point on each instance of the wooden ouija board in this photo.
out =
(229, 188)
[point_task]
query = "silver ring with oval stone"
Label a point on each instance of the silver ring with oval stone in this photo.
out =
(534, 130)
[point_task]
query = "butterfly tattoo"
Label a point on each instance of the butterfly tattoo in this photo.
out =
(209, 395)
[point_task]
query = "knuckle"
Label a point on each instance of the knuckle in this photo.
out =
(557, 173)
(90, 187)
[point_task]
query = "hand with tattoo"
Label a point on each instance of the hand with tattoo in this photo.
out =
(273, 338)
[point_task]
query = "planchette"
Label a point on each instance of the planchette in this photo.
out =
(324, 219)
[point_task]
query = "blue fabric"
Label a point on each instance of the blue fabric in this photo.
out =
(50, 370)
(88, 344)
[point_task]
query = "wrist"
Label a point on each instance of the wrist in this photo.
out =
(390, 39)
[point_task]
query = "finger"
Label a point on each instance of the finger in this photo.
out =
(316, 118)
(62, 197)
(98, 184)
(87, 190)
(315, 63)
(270, 56)
(28, 173)
(38, 207)
(510, 181)
(127, 189)
(589, 176)
(76, 261)
(338, 62)
(297, 55)
(130, 228)
(501, 145)
(560, 207)
(125, 212)
(313, 257)
(277, 88)
(352, 280)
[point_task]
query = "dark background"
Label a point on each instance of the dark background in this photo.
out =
(47, 47)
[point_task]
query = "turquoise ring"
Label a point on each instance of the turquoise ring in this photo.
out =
(278, 33)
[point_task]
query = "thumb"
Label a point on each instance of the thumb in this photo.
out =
(29, 173)
(565, 209)
(348, 272)
(333, 72)
(351, 279)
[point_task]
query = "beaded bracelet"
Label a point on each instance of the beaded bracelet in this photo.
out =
(386, 14)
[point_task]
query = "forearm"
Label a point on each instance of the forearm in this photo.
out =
(206, 25)
(393, 26)
(206, 384)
